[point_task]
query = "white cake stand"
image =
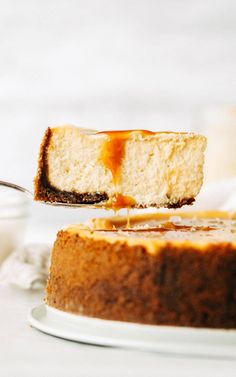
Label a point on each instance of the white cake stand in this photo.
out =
(168, 339)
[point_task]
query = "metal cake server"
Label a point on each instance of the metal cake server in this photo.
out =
(55, 204)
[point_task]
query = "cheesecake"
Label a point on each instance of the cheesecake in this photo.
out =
(119, 169)
(161, 270)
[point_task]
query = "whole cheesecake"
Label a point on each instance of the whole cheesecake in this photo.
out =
(164, 269)
(118, 169)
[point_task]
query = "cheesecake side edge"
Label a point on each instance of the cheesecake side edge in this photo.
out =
(46, 192)
(169, 293)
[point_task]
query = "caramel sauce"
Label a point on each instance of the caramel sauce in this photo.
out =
(119, 201)
(113, 150)
(168, 226)
(118, 133)
(111, 156)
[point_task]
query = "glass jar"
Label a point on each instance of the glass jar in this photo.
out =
(14, 210)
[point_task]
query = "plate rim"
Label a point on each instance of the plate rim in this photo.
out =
(136, 325)
(199, 348)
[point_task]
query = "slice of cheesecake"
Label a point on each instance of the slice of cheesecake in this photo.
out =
(119, 169)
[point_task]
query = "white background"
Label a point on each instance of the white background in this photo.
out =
(108, 64)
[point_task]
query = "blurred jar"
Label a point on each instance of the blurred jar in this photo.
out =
(14, 209)
(220, 129)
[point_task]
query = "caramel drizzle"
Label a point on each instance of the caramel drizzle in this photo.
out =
(112, 154)
(114, 148)
(166, 227)
(119, 201)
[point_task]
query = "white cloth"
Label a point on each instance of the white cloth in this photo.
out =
(219, 195)
(27, 267)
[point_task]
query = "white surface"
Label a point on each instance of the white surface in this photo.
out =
(27, 352)
(165, 339)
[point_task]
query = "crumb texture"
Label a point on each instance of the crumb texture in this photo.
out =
(156, 170)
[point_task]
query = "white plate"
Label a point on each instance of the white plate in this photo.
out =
(178, 340)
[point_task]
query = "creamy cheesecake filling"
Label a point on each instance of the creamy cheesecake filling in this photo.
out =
(120, 169)
(112, 155)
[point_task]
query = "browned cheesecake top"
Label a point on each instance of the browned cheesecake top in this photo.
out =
(151, 230)
(206, 230)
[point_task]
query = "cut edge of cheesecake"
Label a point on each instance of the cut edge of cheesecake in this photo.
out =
(46, 191)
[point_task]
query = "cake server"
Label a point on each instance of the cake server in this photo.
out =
(30, 195)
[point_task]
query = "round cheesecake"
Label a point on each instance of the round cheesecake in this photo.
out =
(163, 269)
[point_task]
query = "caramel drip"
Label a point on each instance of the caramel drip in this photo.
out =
(113, 150)
(111, 156)
(119, 201)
